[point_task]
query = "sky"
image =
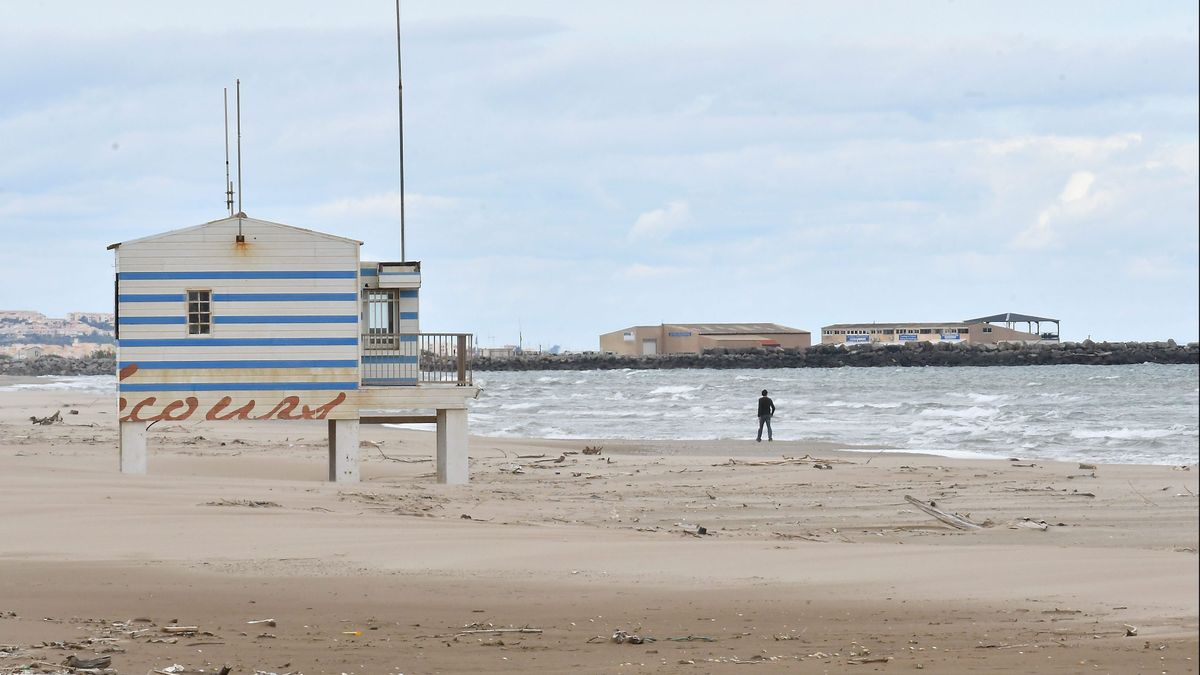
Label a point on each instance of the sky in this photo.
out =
(577, 168)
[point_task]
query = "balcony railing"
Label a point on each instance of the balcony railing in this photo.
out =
(410, 359)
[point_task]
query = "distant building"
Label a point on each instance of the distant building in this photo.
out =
(987, 329)
(505, 352)
(694, 338)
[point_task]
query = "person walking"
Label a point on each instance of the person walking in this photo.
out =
(766, 408)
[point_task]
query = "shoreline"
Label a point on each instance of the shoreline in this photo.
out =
(801, 568)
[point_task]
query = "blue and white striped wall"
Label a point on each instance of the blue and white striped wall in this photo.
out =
(285, 331)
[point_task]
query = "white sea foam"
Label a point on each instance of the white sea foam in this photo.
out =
(674, 389)
(1125, 433)
(860, 404)
(85, 384)
(974, 412)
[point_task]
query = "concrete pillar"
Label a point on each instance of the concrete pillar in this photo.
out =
(452, 447)
(343, 451)
(131, 445)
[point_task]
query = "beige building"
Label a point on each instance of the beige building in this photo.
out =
(987, 329)
(694, 338)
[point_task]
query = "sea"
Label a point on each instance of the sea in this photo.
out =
(1133, 414)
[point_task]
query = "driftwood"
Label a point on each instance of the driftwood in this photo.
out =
(951, 519)
(807, 459)
(499, 630)
(402, 460)
(98, 662)
(52, 419)
(180, 629)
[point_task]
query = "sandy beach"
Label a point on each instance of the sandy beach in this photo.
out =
(549, 551)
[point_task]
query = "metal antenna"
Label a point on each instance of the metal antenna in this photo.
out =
(228, 183)
(238, 99)
(400, 110)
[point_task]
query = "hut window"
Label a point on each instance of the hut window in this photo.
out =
(199, 312)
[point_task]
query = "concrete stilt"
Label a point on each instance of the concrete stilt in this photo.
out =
(343, 451)
(452, 447)
(131, 445)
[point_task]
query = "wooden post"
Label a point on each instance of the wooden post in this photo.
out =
(452, 447)
(462, 360)
(131, 446)
(343, 451)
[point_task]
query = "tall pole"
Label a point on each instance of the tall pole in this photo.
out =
(400, 119)
(238, 101)
(228, 183)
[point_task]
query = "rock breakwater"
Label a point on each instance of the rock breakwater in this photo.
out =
(819, 356)
(837, 356)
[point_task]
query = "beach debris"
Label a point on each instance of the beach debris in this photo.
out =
(951, 519)
(488, 629)
(402, 460)
(1087, 467)
(805, 537)
(622, 637)
(785, 460)
(556, 460)
(694, 530)
(592, 450)
(1030, 524)
(269, 622)
(692, 638)
(820, 465)
(184, 630)
(1130, 631)
(512, 468)
(73, 661)
(252, 503)
(869, 659)
(50, 419)
(531, 456)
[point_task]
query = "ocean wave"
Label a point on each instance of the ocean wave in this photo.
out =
(986, 398)
(861, 404)
(674, 389)
(85, 384)
(1125, 433)
(974, 412)
(520, 406)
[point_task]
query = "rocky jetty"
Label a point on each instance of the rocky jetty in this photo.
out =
(819, 356)
(59, 365)
(837, 356)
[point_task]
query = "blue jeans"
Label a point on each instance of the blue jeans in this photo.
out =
(765, 419)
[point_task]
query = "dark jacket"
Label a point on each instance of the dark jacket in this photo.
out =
(766, 406)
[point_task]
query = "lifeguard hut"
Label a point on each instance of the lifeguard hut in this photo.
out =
(242, 319)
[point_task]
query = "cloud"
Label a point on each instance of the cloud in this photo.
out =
(1077, 187)
(1157, 268)
(639, 271)
(1074, 202)
(659, 223)
(1080, 147)
(380, 206)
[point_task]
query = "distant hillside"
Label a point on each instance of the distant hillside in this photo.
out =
(26, 334)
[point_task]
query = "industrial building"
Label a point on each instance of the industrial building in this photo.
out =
(986, 329)
(695, 338)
